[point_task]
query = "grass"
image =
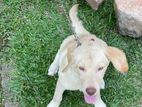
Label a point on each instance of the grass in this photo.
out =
(35, 29)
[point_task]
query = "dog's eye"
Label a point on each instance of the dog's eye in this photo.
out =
(82, 68)
(101, 68)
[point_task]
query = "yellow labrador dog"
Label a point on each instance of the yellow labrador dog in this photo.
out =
(83, 68)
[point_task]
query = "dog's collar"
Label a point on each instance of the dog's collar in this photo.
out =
(78, 42)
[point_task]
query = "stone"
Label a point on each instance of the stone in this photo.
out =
(129, 16)
(94, 3)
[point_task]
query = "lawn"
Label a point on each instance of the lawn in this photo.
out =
(33, 31)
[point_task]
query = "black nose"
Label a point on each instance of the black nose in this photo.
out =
(90, 91)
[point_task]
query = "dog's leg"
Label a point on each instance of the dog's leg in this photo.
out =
(99, 102)
(53, 69)
(102, 84)
(57, 95)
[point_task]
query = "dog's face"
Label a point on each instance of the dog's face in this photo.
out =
(90, 61)
(91, 67)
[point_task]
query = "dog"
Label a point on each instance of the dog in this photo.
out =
(83, 67)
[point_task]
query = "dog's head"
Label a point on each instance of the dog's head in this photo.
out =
(90, 61)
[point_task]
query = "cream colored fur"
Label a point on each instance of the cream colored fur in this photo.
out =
(84, 66)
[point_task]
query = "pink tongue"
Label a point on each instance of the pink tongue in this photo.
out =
(90, 99)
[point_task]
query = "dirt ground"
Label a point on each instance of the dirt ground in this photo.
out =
(4, 71)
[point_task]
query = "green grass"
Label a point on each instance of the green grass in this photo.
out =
(35, 29)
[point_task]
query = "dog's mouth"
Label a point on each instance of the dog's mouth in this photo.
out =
(90, 99)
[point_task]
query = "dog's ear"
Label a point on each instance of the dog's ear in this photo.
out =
(69, 59)
(118, 59)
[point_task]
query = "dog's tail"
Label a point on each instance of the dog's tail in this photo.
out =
(76, 23)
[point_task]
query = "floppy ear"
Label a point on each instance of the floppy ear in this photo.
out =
(118, 59)
(69, 60)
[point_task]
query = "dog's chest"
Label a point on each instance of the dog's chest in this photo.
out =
(70, 80)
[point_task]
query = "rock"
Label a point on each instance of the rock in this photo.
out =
(129, 15)
(94, 3)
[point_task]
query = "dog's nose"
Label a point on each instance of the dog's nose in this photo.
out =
(90, 91)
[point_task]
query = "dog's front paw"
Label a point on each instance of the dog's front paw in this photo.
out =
(53, 104)
(53, 69)
(100, 104)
